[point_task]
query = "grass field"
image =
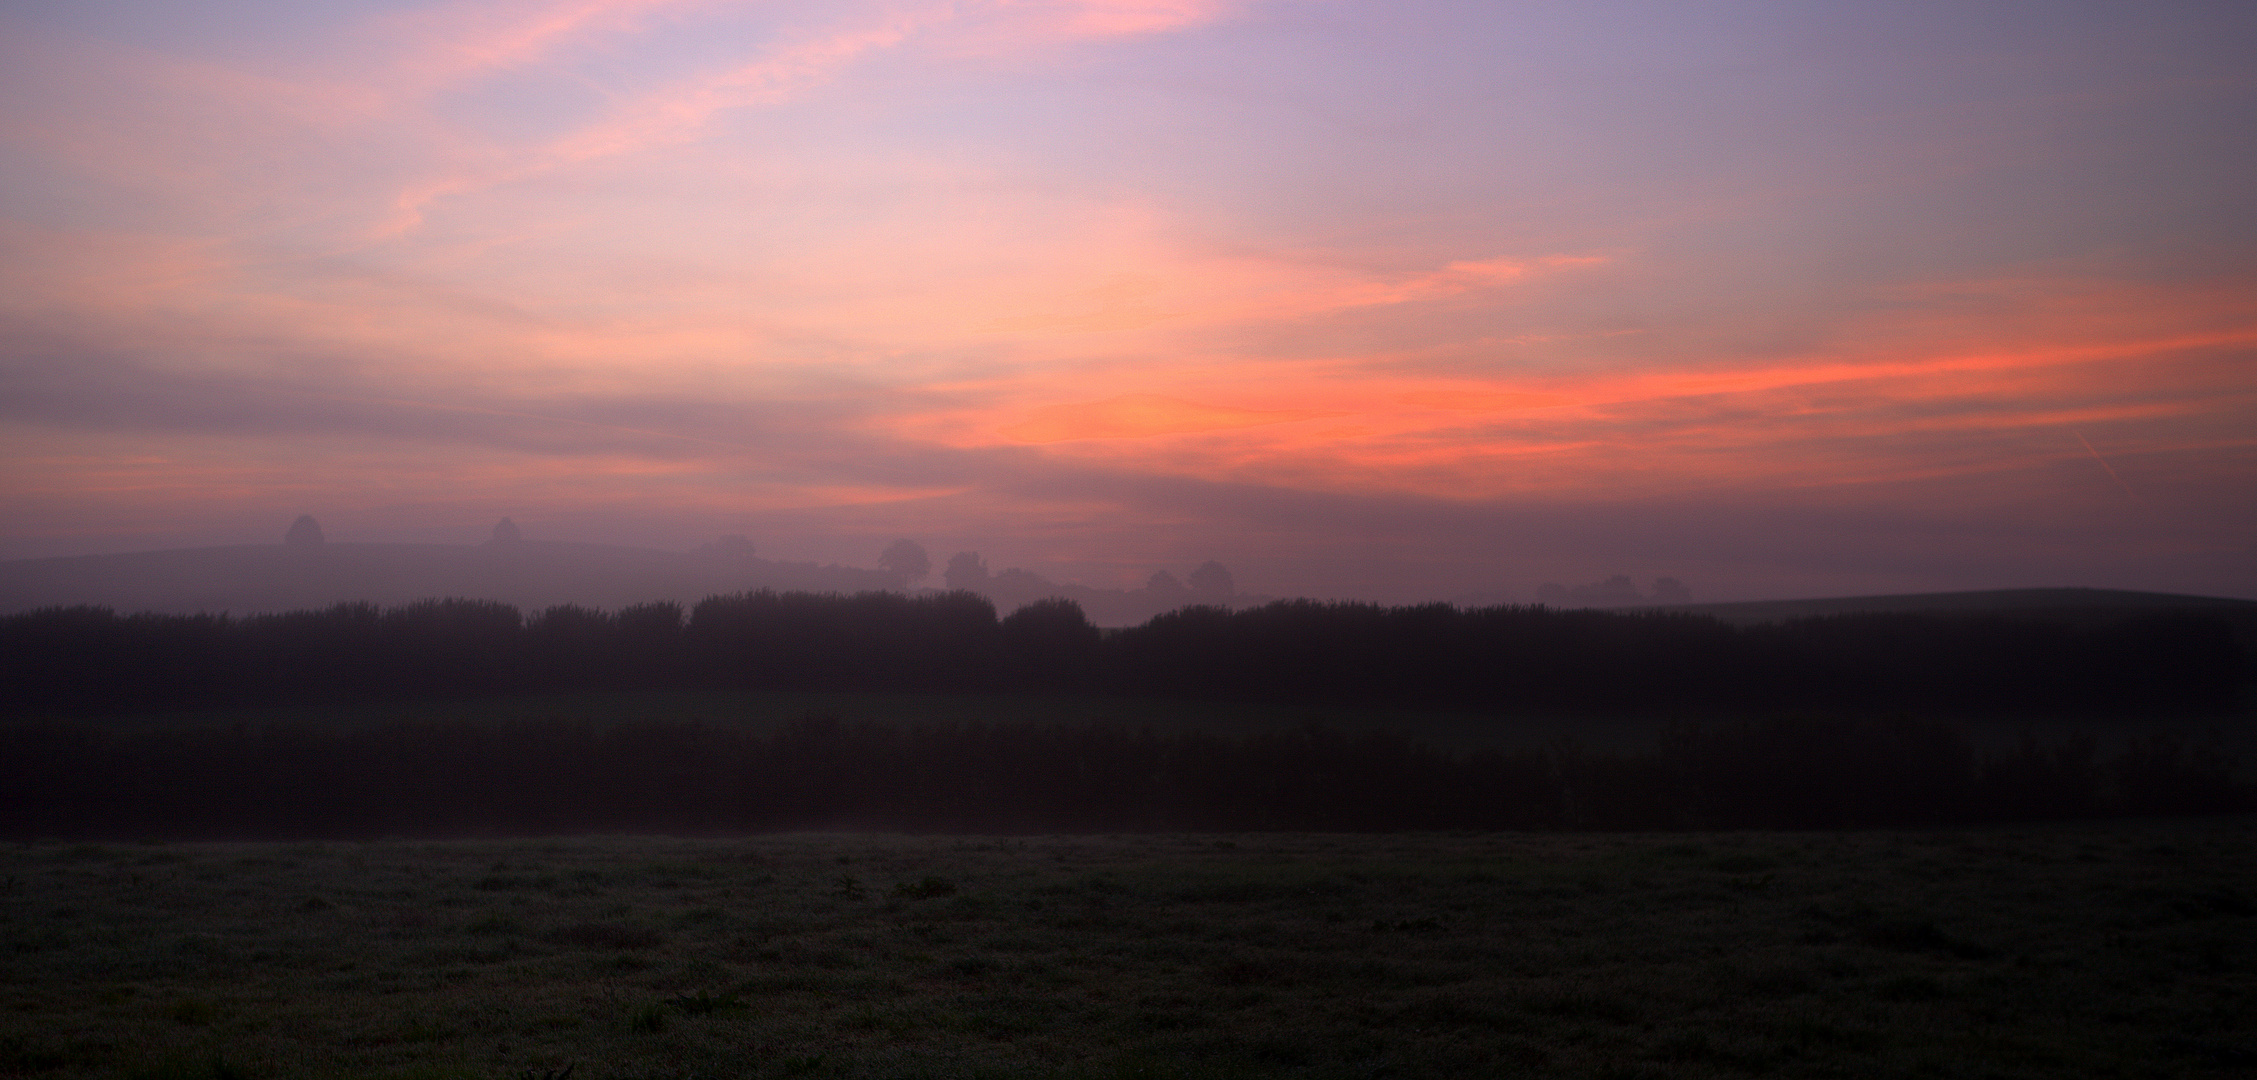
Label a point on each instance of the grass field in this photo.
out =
(2123, 950)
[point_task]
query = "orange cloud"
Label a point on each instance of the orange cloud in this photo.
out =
(936, 296)
(1476, 399)
(1127, 267)
(1132, 416)
(2038, 371)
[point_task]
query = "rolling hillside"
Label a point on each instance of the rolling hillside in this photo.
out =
(527, 573)
(2081, 607)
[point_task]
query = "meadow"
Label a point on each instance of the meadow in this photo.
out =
(2118, 949)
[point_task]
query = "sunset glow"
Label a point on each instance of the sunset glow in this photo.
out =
(1421, 300)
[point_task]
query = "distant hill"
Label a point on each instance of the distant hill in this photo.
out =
(2044, 602)
(2076, 607)
(530, 574)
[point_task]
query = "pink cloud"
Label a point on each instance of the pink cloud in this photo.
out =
(1115, 18)
(988, 246)
(458, 41)
(1137, 416)
(682, 111)
(1922, 408)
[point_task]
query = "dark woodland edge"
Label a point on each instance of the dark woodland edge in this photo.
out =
(1809, 724)
(1497, 660)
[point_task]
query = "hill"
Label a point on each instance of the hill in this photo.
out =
(526, 573)
(2083, 608)
(2033, 603)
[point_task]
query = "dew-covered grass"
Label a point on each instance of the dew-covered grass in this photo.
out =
(2119, 950)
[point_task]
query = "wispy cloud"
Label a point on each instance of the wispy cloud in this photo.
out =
(1104, 278)
(453, 42)
(683, 110)
(1139, 415)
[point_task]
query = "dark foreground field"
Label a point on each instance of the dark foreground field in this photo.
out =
(2118, 950)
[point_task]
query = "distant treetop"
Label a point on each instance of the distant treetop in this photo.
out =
(506, 532)
(1212, 582)
(906, 558)
(1164, 586)
(304, 533)
(1614, 591)
(966, 570)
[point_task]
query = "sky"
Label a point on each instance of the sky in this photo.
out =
(1398, 300)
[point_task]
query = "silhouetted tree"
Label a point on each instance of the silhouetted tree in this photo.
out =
(868, 641)
(1015, 587)
(1164, 587)
(1501, 659)
(1050, 643)
(1618, 589)
(304, 533)
(650, 645)
(1211, 583)
(451, 648)
(908, 559)
(966, 572)
(506, 532)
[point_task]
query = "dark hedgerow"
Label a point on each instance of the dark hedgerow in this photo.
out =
(1487, 660)
(1748, 752)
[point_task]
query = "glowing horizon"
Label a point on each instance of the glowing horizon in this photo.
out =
(1412, 300)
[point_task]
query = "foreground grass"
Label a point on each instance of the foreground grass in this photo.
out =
(2094, 951)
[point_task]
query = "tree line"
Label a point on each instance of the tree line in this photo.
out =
(1512, 659)
(1501, 659)
(88, 781)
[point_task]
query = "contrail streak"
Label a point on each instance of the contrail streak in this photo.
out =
(2105, 465)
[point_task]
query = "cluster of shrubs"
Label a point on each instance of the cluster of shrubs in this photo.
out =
(1501, 659)
(535, 778)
